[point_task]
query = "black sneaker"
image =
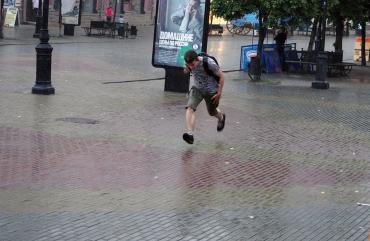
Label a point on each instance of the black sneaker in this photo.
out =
(188, 138)
(221, 123)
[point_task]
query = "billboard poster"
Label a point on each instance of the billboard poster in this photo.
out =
(11, 17)
(71, 12)
(179, 27)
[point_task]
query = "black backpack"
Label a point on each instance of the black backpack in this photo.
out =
(206, 67)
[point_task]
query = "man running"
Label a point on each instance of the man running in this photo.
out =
(207, 87)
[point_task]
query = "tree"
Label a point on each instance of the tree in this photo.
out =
(269, 13)
(360, 16)
(356, 10)
(339, 11)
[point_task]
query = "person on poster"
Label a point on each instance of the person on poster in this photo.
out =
(206, 87)
(189, 19)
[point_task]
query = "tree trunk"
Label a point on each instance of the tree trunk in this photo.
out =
(339, 22)
(313, 34)
(363, 39)
(318, 35)
(261, 39)
(115, 10)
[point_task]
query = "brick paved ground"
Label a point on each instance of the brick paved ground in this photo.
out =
(107, 162)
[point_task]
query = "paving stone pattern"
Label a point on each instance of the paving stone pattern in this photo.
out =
(107, 162)
(291, 165)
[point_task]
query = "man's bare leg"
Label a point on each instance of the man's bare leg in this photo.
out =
(190, 122)
(221, 120)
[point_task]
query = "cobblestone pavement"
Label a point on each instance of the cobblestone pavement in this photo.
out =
(102, 161)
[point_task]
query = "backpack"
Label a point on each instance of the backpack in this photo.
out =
(206, 67)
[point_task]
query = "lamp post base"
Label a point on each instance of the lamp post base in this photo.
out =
(322, 85)
(43, 66)
(43, 89)
(321, 72)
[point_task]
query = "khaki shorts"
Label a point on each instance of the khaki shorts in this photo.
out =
(196, 96)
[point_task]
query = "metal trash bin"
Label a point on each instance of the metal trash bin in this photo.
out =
(254, 69)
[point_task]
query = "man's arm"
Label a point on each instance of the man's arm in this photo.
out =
(216, 98)
(185, 21)
(186, 70)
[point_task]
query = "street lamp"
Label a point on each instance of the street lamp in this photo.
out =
(38, 21)
(322, 56)
(43, 52)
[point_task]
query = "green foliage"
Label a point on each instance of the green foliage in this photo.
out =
(356, 10)
(232, 9)
(272, 11)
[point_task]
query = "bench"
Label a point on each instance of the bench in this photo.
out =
(216, 28)
(95, 25)
(101, 28)
(301, 61)
(341, 69)
(307, 63)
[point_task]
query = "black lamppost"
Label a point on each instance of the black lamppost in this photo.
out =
(1, 19)
(322, 56)
(38, 21)
(43, 52)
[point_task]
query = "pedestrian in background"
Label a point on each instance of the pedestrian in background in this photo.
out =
(35, 5)
(280, 39)
(109, 14)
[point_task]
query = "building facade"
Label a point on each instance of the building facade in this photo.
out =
(136, 12)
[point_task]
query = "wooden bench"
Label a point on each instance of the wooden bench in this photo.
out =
(216, 28)
(306, 62)
(95, 25)
(336, 66)
(101, 28)
(301, 61)
(342, 69)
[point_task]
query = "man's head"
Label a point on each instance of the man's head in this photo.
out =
(191, 59)
(194, 3)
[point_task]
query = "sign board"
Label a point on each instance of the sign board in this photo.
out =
(357, 54)
(11, 17)
(71, 12)
(179, 27)
(270, 60)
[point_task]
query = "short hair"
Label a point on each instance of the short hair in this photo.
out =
(197, 3)
(190, 56)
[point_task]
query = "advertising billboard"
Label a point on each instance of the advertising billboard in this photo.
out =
(180, 25)
(71, 12)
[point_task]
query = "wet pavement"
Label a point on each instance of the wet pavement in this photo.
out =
(101, 161)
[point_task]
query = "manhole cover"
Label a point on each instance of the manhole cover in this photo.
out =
(78, 120)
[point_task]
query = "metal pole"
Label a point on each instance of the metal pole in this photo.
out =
(43, 52)
(322, 56)
(1, 19)
(38, 20)
(323, 29)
